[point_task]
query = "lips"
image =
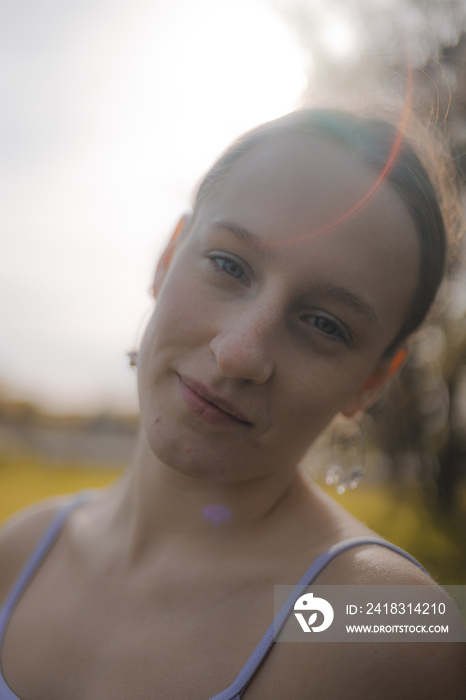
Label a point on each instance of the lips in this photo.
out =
(212, 408)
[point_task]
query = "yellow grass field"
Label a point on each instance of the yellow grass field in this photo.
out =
(437, 541)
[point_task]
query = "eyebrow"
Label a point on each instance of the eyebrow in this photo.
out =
(244, 236)
(350, 299)
(333, 291)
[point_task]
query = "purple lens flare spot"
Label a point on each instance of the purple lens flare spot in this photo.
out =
(216, 514)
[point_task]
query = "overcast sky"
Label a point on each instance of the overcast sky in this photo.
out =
(111, 111)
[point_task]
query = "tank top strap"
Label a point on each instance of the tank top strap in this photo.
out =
(237, 688)
(35, 558)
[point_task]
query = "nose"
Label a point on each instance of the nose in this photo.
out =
(243, 347)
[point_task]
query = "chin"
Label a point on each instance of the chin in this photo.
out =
(186, 453)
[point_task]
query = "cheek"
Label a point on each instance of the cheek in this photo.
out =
(183, 322)
(321, 391)
(175, 322)
(184, 309)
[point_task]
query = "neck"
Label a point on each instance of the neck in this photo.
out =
(156, 504)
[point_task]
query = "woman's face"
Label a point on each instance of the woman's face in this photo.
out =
(265, 328)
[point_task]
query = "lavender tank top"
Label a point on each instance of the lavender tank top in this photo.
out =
(237, 688)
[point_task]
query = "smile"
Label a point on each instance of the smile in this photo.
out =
(211, 408)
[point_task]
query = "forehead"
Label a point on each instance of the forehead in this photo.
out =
(318, 184)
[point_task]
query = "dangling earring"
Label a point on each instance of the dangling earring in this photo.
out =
(133, 358)
(348, 456)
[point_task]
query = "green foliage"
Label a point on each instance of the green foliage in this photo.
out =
(24, 480)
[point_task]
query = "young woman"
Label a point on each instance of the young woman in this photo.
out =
(315, 247)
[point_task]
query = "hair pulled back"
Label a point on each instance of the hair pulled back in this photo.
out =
(382, 146)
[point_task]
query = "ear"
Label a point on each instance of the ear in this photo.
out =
(374, 385)
(167, 255)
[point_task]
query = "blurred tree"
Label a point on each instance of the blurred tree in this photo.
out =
(368, 51)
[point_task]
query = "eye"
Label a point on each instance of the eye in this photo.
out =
(229, 266)
(326, 325)
(329, 327)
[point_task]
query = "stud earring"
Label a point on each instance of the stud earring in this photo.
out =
(133, 358)
(348, 456)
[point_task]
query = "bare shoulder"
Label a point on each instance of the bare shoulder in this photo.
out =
(376, 565)
(18, 536)
(427, 670)
(405, 670)
(382, 670)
